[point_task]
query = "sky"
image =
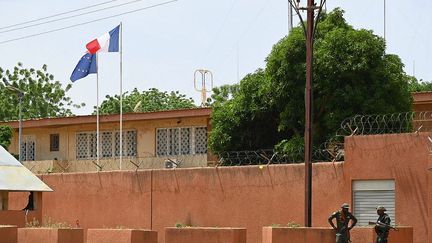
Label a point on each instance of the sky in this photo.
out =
(163, 46)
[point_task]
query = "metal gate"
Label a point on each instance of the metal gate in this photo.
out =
(367, 195)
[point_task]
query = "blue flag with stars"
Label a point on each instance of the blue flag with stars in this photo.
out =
(86, 65)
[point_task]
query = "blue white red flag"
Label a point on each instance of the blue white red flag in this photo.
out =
(109, 42)
(86, 65)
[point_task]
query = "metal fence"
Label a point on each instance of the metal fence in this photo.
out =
(333, 149)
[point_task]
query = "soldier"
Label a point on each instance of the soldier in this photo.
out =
(342, 217)
(382, 225)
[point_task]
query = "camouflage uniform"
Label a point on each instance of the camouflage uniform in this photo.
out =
(382, 231)
(342, 228)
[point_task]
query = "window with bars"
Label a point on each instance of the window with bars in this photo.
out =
(28, 146)
(181, 141)
(54, 142)
(109, 144)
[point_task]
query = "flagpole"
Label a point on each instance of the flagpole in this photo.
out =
(121, 95)
(97, 109)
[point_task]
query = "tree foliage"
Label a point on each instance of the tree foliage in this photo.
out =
(151, 100)
(247, 120)
(43, 97)
(5, 136)
(352, 75)
(419, 85)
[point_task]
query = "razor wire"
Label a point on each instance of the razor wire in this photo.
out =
(406, 122)
(333, 149)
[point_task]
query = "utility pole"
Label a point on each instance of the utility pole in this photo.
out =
(309, 30)
(384, 19)
(290, 17)
(308, 117)
(413, 68)
(20, 93)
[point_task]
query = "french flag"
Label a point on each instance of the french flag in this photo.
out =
(109, 42)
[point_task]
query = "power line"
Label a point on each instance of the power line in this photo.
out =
(249, 25)
(88, 22)
(216, 37)
(55, 15)
(70, 17)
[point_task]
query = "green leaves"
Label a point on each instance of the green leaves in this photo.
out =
(151, 100)
(419, 86)
(43, 96)
(5, 136)
(243, 117)
(352, 75)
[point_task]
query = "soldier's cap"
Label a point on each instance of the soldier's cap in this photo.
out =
(345, 205)
(381, 208)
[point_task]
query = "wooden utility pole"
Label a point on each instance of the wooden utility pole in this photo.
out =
(308, 112)
(309, 31)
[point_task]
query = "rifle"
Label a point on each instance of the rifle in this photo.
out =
(378, 223)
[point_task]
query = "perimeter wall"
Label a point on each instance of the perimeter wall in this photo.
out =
(246, 196)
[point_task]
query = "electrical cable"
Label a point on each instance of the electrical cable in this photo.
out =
(55, 15)
(70, 17)
(88, 22)
(216, 37)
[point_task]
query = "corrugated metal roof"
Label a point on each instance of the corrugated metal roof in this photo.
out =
(16, 177)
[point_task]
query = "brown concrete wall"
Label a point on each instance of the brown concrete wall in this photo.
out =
(367, 235)
(121, 236)
(363, 234)
(8, 234)
(17, 217)
(207, 235)
(238, 196)
(48, 235)
(404, 158)
(226, 196)
(299, 235)
(100, 200)
(247, 196)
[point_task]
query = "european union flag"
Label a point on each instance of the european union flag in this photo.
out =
(86, 65)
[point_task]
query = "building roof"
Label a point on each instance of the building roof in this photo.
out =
(16, 177)
(88, 119)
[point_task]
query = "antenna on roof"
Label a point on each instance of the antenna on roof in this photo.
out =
(205, 74)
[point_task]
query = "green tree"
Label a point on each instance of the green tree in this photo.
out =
(43, 97)
(352, 75)
(247, 121)
(5, 136)
(222, 94)
(419, 86)
(151, 100)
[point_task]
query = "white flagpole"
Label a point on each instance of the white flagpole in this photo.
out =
(121, 95)
(97, 109)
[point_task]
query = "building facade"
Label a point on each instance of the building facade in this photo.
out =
(150, 140)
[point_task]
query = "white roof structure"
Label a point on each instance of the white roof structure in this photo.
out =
(16, 177)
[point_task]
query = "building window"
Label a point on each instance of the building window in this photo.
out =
(181, 141)
(109, 144)
(28, 146)
(54, 142)
(129, 145)
(200, 140)
(106, 144)
(368, 194)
